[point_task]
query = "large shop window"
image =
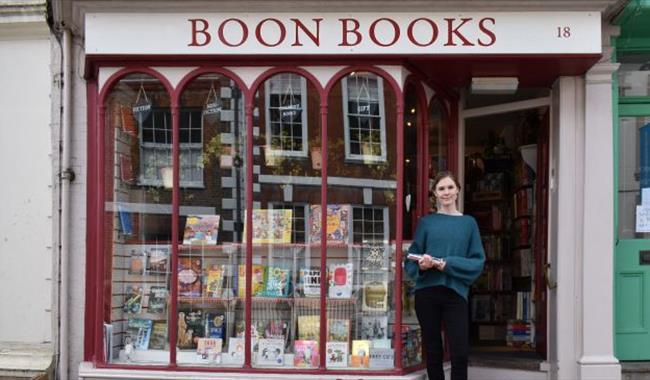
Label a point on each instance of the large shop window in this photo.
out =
(184, 287)
(364, 120)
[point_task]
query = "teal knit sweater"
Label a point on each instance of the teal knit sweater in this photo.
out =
(454, 238)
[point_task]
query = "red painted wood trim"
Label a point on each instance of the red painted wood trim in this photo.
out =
(399, 222)
(98, 254)
(174, 238)
(248, 106)
(91, 284)
(323, 235)
(452, 125)
(208, 69)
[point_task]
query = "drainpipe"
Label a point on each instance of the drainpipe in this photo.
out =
(66, 176)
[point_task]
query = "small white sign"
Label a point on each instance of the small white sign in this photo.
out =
(645, 197)
(642, 219)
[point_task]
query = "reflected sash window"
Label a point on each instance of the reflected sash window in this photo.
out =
(369, 224)
(286, 115)
(155, 148)
(364, 118)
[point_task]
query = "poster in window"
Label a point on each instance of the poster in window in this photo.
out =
(201, 230)
(271, 226)
(338, 223)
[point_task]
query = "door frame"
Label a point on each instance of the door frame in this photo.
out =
(541, 284)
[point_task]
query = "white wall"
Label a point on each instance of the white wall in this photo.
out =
(25, 192)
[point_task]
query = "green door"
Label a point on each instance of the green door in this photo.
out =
(632, 263)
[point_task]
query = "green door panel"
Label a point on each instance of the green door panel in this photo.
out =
(632, 316)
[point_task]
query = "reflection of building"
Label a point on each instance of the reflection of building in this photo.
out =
(268, 137)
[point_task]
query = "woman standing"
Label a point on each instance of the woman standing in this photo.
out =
(441, 286)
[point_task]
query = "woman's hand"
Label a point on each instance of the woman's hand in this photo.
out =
(439, 265)
(426, 262)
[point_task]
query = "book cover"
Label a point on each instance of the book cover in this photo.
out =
(305, 354)
(190, 328)
(310, 282)
(189, 277)
(137, 260)
(271, 226)
(374, 256)
(338, 330)
(381, 358)
(236, 347)
(360, 353)
(158, 258)
(201, 229)
(138, 333)
(213, 281)
(214, 325)
(133, 299)
(338, 223)
(258, 280)
(208, 348)
(158, 300)
(277, 282)
(481, 308)
(158, 339)
(374, 327)
(337, 354)
(375, 296)
(308, 327)
(340, 280)
(270, 352)
(128, 121)
(277, 329)
(126, 223)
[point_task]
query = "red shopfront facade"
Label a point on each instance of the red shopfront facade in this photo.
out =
(255, 179)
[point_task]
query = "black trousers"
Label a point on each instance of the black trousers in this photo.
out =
(434, 306)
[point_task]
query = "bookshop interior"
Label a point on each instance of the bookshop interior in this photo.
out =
(178, 248)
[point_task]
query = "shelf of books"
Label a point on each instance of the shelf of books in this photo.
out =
(501, 300)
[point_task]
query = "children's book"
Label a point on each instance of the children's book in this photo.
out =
(340, 280)
(305, 354)
(213, 281)
(138, 333)
(271, 226)
(133, 299)
(137, 259)
(375, 296)
(338, 223)
(360, 353)
(338, 330)
(276, 329)
(310, 282)
(374, 256)
(337, 354)
(236, 347)
(158, 339)
(201, 229)
(381, 358)
(270, 352)
(258, 280)
(190, 328)
(208, 348)
(158, 300)
(126, 223)
(374, 327)
(308, 327)
(189, 277)
(158, 258)
(214, 325)
(277, 282)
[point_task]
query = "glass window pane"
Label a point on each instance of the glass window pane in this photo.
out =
(633, 174)
(634, 74)
(138, 223)
(211, 249)
(360, 279)
(286, 259)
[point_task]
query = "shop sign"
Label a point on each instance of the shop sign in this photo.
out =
(344, 33)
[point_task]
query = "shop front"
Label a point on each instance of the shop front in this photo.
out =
(254, 180)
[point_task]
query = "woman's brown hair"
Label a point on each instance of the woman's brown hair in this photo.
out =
(442, 175)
